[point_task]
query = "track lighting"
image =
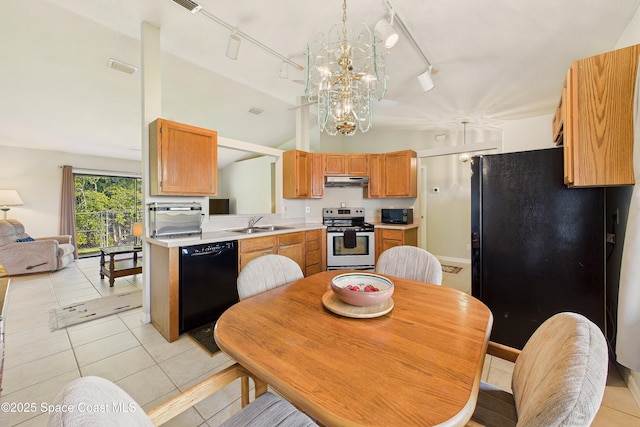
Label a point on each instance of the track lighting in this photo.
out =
(284, 71)
(384, 31)
(425, 79)
(233, 47)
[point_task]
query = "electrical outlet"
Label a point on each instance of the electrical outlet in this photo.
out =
(307, 209)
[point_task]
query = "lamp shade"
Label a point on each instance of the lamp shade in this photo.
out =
(10, 198)
(136, 229)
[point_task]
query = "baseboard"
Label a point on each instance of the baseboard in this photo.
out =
(633, 385)
(451, 259)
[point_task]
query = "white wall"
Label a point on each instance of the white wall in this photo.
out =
(37, 176)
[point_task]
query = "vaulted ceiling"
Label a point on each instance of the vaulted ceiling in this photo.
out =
(496, 59)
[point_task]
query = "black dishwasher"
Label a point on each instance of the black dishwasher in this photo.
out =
(208, 275)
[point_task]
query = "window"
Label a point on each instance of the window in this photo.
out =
(106, 208)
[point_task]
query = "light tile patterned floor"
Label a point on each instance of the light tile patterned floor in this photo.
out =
(135, 356)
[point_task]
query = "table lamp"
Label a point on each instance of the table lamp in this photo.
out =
(9, 198)
(136, 230)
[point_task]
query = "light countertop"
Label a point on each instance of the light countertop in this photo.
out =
(226, 235)
(395, 226)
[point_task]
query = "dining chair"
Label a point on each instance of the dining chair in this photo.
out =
(96, 401)
(558, 379)
(267, 272)
(410, 262)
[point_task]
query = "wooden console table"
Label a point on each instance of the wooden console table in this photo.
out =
(122, 266)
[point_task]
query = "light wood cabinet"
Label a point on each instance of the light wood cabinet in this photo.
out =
(390, 174)
(315, 252)
(387, 238)
(346, 164)
(296, 171)
(393, 175)
(249, 249)
(292, 245)
(374, 189)
(317, 175)
(183, 160)
(164, 290)
(594, 119)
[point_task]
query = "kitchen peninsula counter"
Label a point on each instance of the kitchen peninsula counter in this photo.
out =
(226, 235)
(164, 269)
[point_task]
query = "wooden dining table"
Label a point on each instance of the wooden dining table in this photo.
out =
(419, 364)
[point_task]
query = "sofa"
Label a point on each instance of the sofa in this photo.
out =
(22, 254)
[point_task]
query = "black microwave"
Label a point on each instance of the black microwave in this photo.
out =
(397, 216)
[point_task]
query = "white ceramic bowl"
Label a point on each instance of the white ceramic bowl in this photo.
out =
(362, 289)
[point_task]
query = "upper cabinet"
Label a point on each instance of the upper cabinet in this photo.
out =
(390, 174)
(397, 174)
(296, 172)
(183, 160)
(346, 165)
(594, 119)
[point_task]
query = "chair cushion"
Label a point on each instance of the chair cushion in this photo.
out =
(495, 407)
(560, 376)
(95, 401)
(269, 410)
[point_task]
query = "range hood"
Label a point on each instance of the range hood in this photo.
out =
(346, 181)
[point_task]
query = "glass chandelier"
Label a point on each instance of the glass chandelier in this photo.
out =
(345, 72)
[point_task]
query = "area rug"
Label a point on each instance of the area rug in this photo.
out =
(93, 309)
(204, 337)
(451, 269)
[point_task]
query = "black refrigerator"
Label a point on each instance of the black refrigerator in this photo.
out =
(537, 247)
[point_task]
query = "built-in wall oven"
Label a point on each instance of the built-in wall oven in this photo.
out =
(350, 240)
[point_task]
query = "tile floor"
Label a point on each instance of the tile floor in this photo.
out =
(135, 356)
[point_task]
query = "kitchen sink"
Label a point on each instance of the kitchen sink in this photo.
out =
(261, 229)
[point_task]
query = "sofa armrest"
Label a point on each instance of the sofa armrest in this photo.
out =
(503, 351)
(60, 239)
(29, 257)
(185, 400)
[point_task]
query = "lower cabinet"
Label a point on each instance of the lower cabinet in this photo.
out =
(254, 247)
(387, 238)
(314, 252)
(304, 247)
(292, 246)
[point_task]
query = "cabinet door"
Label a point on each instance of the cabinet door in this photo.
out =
(400, 174)
(183, 159)
(335, 164)
(602, 95)
(292, 246)
(374, 189)
(357, 165)
(296, 172)
(317, 176)
(313, 255)
(252, 248)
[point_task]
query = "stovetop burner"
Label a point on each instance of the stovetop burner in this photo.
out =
(343, 219)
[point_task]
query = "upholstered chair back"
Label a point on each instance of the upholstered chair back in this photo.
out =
(410, 262)
(267, 272)
(560, 377)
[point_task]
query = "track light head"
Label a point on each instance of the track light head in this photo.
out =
(425, 80)
(233, 47)
(385, 32)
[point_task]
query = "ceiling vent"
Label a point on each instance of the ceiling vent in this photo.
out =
(191, 6)
(121, 66)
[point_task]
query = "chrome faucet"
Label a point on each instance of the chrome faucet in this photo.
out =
(253, 221)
